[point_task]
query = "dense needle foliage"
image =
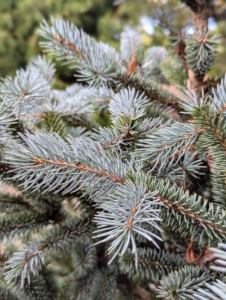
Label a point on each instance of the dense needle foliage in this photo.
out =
(134, 210)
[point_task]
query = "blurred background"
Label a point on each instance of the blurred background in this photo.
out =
(156, 20)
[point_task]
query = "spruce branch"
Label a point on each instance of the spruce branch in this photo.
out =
(127, 131)
(171, 69)
(27, 92)
(97, 71)
(220, 254)
(205, 231)
(212, 127)
(130, 43)
(201, 53)
(29, 262)
(44, 67)
(217, 289)
(217, 166)
(218, 186)
(179, 170)
(14, 199)
(218, 97)
(22, 223)
(83, 256)
(177, 48)
(38, 289)
(80, 287)
(168, 142)
(183, 284)
(82, 122)
(157, 109)
(59, 33)
(63, 233)
(61, 161)
(7, 120)
(114, 174)
(152, 263)
(24, 264)
(75, 100)
(151, 65)
(105, 284)
(10, 203)
(111, 137)
(67, 41)
(11, 292)
(129, 104)
(121, 220)
(131, 50)
(66, 165)
(187, 214)
(55, 123)
(200, 12)
(150, 89)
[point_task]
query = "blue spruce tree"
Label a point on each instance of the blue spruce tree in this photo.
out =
(135, 210)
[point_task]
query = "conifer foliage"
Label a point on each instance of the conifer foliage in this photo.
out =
(134, 210)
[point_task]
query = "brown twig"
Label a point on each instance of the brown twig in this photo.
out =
(134, 289)
(79, 166)
(141, 293)
(70, 45)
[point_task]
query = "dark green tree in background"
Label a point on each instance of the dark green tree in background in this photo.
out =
(20, 21)
(133, 210)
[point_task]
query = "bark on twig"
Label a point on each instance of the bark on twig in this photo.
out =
(134, 289)
(195, 82)
(141, 293)
(201, 15)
